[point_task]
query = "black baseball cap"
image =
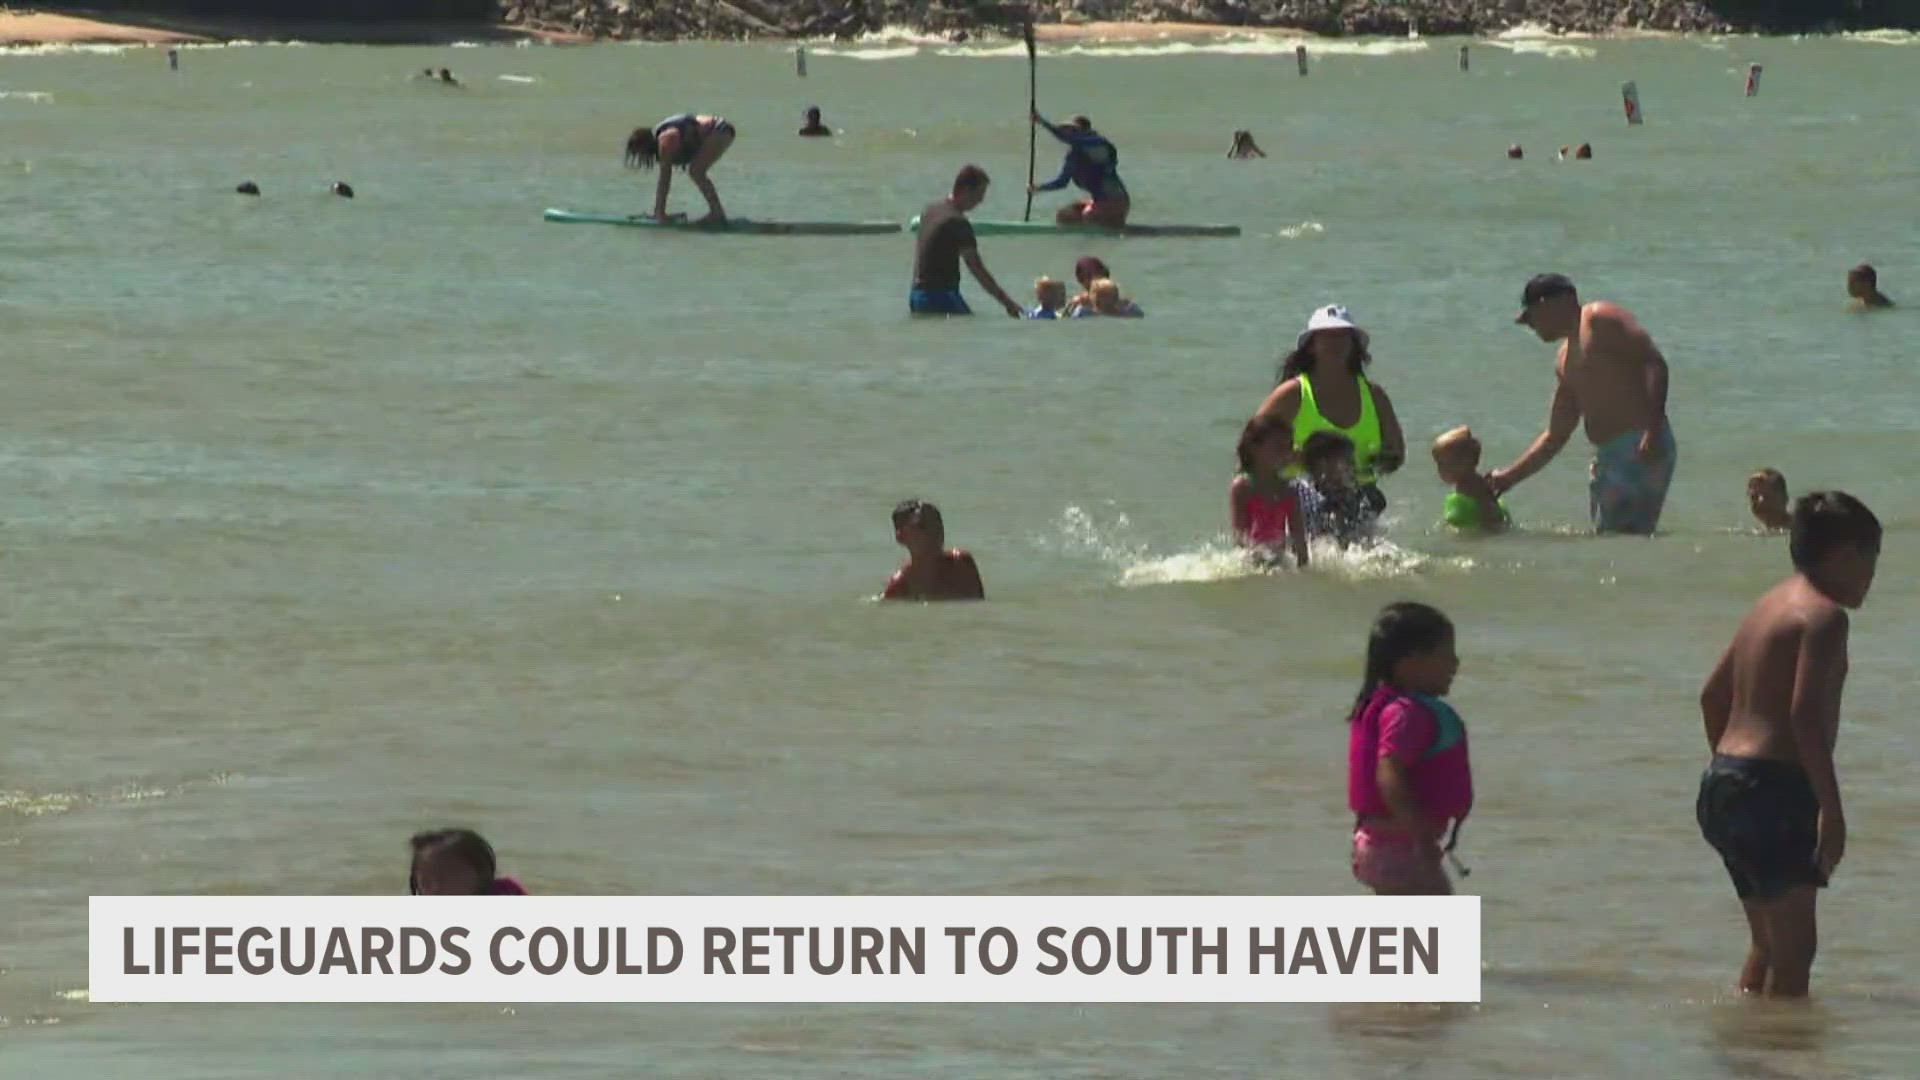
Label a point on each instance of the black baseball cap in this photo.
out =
(1543, 287)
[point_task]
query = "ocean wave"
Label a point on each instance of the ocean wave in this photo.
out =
(900, 43)
(1305, 228)
(1883, 37)
(1549, 48)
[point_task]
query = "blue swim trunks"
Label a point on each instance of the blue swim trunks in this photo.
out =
(937, 302)
(1625, 494)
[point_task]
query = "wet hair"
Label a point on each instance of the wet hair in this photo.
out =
(464, 845)
(1865, 274)
(970, 178)
(1258, 430)
(1824, 520)
(643, 150)
(1400, 631)
(1300, 360)
(919, 512)
(813, 112)
(1325, 444)
(1771, 477)
(1088, 269)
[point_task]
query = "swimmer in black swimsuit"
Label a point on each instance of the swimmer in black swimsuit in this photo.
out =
(1769, 801)
(686, 141)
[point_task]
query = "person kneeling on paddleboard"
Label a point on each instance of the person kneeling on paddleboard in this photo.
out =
(1092, 165)
(688, 141)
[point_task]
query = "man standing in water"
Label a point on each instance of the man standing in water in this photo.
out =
(945, 240)
(1611, 376)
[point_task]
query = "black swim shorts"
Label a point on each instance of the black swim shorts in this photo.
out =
(1764, 820)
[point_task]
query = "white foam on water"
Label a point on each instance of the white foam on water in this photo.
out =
(518, 79)
(40, 97)
(878, 53)
(65, 50)
(1305, 228)
(899, 44)
(1551, 49)
(1883, 37)
(1529, 31)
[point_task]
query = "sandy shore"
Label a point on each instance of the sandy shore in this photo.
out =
(38, 28)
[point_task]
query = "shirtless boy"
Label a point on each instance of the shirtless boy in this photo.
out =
(1770, 802)
(931, 572)
(1611, 376)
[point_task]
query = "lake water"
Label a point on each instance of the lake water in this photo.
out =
(324, 521)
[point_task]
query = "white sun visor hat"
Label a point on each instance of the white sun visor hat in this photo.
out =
(1331, 317)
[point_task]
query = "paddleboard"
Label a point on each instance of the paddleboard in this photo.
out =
(733, 225)
(1013, 228)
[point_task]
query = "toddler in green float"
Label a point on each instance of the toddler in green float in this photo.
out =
(1471, 506)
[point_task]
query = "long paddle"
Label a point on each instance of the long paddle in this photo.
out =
(1033, 106)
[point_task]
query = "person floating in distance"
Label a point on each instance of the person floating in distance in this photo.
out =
(1092, 164)
(814, 129)
(1265, 506)
(1611, 376)
(1471, 506)
(1243, 146)
(1583, 152)
(456, 862)
(686, 141)
(1050, 297)
(1514, 153)
(341, 188)
(446, 77)
(1409, 780)
(1769, 802)
(1767, 500)
(931, 571)
(248, 187)
(1863, 286)
(945, 241)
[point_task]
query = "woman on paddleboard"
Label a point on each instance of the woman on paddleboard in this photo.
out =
(1323, 387)
(1092, 165)
(687, 141)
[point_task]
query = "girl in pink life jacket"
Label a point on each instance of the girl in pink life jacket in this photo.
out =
(1409, 784)
(456, 862)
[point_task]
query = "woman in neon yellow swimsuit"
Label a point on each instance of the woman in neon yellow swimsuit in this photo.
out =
(1323, 387)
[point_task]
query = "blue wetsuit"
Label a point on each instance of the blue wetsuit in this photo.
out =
(1092, 164)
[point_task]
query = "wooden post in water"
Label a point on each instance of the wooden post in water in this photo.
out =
(1300, 59)
(1463, 58)
(800, 61)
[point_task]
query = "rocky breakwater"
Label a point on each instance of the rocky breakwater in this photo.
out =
(739, 19)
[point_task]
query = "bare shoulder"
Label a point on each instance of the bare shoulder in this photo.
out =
(1241, 485)
(961, 557)
(1284, 401)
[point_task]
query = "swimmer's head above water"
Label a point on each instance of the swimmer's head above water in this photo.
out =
(917, 524)
(451, 862)
(1550, 305)
(1328, 459)
(1767, 499)
(1863, 285)
(1049, 293)
(1456, 454)
(1266, 445)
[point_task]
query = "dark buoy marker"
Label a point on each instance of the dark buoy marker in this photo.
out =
(341, 189)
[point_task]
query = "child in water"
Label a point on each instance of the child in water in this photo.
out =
(1409, 782)
(1863, 287)
(1104, 299)
(1266, 507)
(1472, 505)
(1049, 297)
(1330, 497)
(1769, 801)
(931, 572)
(1767, 499)
(456, 862)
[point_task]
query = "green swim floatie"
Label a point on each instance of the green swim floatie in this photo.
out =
(1464, 513)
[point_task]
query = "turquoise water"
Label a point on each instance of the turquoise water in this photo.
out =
(324, 521)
